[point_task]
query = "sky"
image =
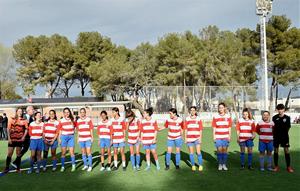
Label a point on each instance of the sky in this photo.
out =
(129, 22)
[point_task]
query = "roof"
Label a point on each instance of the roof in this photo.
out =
(58, 101)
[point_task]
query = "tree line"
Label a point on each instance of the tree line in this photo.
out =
(213, 57)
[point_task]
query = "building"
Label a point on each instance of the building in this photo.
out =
(92, 105)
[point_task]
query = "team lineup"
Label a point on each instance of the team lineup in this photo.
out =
(115, 133)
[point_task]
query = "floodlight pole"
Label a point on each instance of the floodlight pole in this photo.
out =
(263, 8)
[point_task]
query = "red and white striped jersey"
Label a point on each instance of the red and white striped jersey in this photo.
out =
(265, 131)
(84, 127)
(193, 127)
(222, 125)
(175, 127)
(104, 129)
(133, 132)
(246, 129)
(50, 129)
(148, 129)
(118, 128)
(66, 126)
(36, 130)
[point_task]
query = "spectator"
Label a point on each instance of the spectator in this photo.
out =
(4, 125)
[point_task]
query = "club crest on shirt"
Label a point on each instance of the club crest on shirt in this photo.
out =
(284, 120)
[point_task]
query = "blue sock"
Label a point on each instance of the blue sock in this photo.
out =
(62, 161)
(83, 159)
(31, 164)
(192, 159)
(269, 161)
(44, 163)
(262, 161)
(250, 159)
(54, 162)
(200, 160)
(73, 160)
(90, 159)
(225, 156)
(38, 165)
(138, 159)
(219, 157)
(132, 159)
(242, 157)
(177, 159)
(168, 158)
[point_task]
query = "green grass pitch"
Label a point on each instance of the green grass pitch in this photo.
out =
(183, 179)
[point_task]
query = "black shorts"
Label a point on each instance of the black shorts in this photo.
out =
(281, 143)
(16, 144)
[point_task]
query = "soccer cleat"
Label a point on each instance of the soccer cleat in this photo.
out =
(262, 169)
(89, 169)
(85, 168)
(200, 168)
(220, 167)
(157, 167)
(124, 168)
(18, 171)
(5, 171)
(147, 168)
(276, 169)
(44, 169)
(37, 171)
(271, 169)
(242, 167)
(134, 168)
(290, 170)
(138, 168)
(193, 168)
(177, 167)
(29, 171)
(73, 168)
(108, 169)
(250, 167)
(224, 167)
(62, 169)
(53, 169)
(102, 169)
(167, 167)
(114, 168)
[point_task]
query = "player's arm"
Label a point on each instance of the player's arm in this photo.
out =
(213, 124)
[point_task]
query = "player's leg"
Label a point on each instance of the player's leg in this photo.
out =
(137, 156)
(199, 156)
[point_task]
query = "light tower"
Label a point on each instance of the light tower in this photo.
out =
(263, 8)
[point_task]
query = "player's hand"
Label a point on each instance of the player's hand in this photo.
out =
(59, 141)
(92, 140)
(23, 139)
(9, 141)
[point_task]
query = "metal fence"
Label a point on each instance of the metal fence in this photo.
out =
(206, 98)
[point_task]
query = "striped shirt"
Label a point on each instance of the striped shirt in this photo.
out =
(118, 130)
(265, 131)
(84, 127)
(36, 130)
(193, 127)
(17, 128)
(246, 129)
(222, 125)
(50, 129)
(175, 127)
(148, 129)
(104, 129)
(133, 132)
(66, 126)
